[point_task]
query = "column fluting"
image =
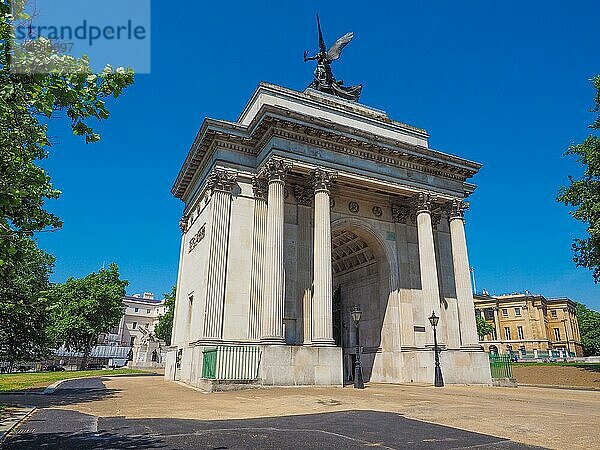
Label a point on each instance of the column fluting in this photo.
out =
(427, 263)
(221, 183)
(462, 275)
(322, 310)
(274, 294)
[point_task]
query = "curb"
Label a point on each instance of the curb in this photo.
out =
(13, 422)
(50, 389)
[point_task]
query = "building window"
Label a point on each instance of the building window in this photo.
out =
(134, 325)
(132, 340)
(505, 312)
(148, 311)
(520, 332)
(507, 333)
(553, 314)
(136, 309)
(517, 312)
(557, 334)
(489, 314)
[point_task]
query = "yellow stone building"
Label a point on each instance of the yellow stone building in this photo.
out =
(530, 326)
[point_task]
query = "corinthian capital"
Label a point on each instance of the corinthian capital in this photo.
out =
(457, 209)
(260, 188)
(221, 180)
(183, 224)
(275, 169)
(322, 179)
(423, 202)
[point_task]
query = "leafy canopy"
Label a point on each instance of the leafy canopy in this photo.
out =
(85, 307)
(483, 327)
(589, 329)
(584, 195)
(50, 82)
(23, 306)
(164, 327)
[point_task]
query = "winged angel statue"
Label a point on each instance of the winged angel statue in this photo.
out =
(324, 80)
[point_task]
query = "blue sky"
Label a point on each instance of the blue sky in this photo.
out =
(502, 83)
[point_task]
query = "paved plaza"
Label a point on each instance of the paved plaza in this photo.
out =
(146, 411)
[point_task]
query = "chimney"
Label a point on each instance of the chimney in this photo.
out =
(148, 295)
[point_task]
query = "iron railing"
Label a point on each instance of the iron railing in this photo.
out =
(231, 362)
(500, 366)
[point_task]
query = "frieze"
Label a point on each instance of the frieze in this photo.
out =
(377, 211)
(353, 207)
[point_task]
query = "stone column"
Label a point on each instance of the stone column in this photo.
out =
(220, 183)
(427, 262)
(497, 324)
(259, 186)
(462, 275)
(322, 310)
(305, 259)
(183, 226)
(275, 171)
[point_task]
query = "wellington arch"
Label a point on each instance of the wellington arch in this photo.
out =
(305, 207)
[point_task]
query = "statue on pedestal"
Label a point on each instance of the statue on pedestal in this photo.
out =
(324, 80)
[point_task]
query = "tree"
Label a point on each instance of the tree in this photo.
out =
(589, 329)
(164, 327)
(52, 82)
(483, 327)
(584, 195)
(24, 307)
(84, 308)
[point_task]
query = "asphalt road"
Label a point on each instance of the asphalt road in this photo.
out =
(63, 429)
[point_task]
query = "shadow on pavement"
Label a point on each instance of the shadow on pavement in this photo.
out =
(83, 441)
(63, 429)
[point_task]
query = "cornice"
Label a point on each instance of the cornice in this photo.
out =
(273, 121)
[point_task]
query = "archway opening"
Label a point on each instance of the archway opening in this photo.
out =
(360, 278)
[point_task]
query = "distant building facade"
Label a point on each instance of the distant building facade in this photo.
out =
(140, 317)
(530, 326)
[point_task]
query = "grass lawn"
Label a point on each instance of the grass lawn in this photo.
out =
(560, 364)
(18, 381)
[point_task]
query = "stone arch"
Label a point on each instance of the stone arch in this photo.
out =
(366, 271)
(369, 234)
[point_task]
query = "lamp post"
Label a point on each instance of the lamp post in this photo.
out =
(358, 378)
(439, 380)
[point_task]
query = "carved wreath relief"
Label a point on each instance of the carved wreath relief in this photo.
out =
(196, 238)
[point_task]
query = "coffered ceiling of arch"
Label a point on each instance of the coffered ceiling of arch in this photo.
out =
(349, 252)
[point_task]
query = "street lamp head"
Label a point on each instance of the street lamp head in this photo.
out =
(356, 314)
(433, 320)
